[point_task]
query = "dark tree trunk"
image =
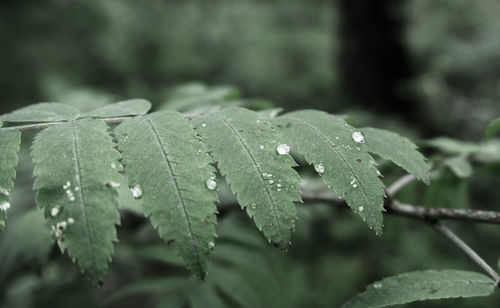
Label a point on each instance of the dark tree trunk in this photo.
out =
(374, 63)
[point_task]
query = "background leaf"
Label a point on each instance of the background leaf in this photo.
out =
(493, 128)
(42, 112)
(424, 285)
(132, 107)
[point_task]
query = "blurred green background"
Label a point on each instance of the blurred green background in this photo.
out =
(425, 68)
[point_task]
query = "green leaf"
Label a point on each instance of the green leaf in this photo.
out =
(459, 165)
(76, 167)
(9, 148)
(424, 285)
(398, 149)
(172, 168)
(453, 146)
(244, 146)
(133, 107)
(493, 128)
(326, 141)
(197, 96)
(42, 112)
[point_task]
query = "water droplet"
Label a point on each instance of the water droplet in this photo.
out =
(61, 225)
(358, 137)
(261, 147)
(283, 149)
(204, 125)
(377, 286)
(355, 185)
(71, 220)
(337, 138)
(136, 191)
(5, 206)
(258, 121)
(114, 184)
(253, 206)
(361, 208)
(379, 174)
(113, 165)
(211, 183)
(278, 185)
(211, 245)
(319, 168)
(270, 181)
(54, 211)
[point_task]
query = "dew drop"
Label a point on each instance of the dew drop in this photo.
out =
(283, 149)
(211, 245)
(54, 211)
(319, 168)
(377, 286)
(211, 183)
(114, 184)
(136, 191)
(71, 220)
(270, 181)
(354, 185)
(358, 137)
(253, 206)
(204, 125)
(261, 147)
(5, 206)
(113, 165)
(361, 209)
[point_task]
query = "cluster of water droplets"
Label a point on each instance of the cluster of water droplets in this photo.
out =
(69, 192)
(58, 229)
(353, 183)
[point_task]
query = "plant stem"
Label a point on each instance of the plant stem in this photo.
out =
(467, 250)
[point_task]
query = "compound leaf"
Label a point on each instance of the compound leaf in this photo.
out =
(9, 149)
(76, 169)
(327, 142)
(42, 112)
(423, 285)
(172, 168)
(244, 144)
(398, 149)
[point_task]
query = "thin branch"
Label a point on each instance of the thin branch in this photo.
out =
(400, 184)
(467, 250)
(435, 213)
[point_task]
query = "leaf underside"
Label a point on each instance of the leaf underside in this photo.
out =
(75, 163)
(132, 107)
(162, 155)
(9, 149)
(398, 149)
(244, 144)
(42, 112)
(345, 165)
(424, 285)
